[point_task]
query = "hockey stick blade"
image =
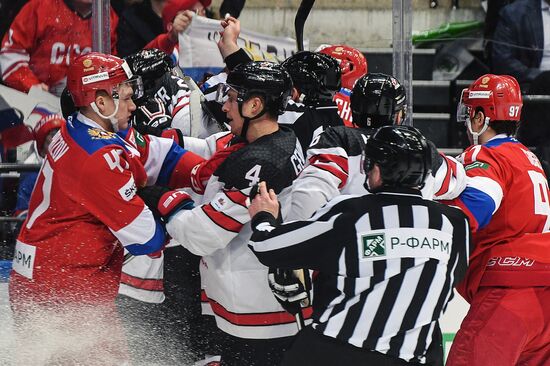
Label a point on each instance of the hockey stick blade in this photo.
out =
(300, 21)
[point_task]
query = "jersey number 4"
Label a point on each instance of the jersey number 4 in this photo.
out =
(253, 175)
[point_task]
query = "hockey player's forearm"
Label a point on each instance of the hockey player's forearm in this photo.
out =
(310, 192)
(197, 234)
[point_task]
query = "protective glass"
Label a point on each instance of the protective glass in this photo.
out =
(129, 89)
(462, 110)
(222, 93)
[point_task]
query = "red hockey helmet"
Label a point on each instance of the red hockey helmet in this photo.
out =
(43, 127)
(352, 62)
(498, 95)
(97, 71)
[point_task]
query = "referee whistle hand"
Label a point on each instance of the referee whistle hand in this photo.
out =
(265, 200)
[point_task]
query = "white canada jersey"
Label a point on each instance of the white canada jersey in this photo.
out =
(334, 165)
(234, 281)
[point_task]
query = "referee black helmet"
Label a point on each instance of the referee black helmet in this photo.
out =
(402, 154)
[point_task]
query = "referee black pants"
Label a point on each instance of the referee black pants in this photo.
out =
(314, 348)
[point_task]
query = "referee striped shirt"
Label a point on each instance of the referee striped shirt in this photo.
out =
(387, 266)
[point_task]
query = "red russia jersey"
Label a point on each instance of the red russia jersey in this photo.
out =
(342, 100)
(506, 197)
(42, 41)
(83, 207)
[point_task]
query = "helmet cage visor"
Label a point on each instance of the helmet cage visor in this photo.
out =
(129, 89)
(463, 111)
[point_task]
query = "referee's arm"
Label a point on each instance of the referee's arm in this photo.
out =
(311, 244)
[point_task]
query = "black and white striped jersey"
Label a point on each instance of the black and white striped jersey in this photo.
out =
(387, 266)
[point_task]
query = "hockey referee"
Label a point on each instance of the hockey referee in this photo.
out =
(387, 262)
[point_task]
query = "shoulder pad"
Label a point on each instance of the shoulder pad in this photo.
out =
(352, 140)
(274, 159)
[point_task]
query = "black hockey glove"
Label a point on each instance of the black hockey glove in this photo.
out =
(150, 64)
(164, 202)
(67, 103)
(151, 119)
(290, 287)
(437, 159)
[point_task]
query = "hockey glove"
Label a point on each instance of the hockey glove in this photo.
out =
(201, 173)
(437, 159)
(164, 202)
(291, 288)
(150, 119)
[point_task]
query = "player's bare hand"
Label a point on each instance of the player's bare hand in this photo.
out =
(42, 86)
(264, 201)
(228, 41)
(180, 24)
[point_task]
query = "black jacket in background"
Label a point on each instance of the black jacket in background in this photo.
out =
(138, 26)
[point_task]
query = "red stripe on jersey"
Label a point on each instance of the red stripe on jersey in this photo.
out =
(222, 220)
(237, 197)
(222, 142)
(11, 68)
(142, 283)
(257, 319)
(451, 171)
(179, 108)
(330, 158)
(341, 171)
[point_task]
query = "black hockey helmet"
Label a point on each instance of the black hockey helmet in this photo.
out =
(403, 155)
(263, 78)
(316, 76)
(151, 65)
(266, 79)
(376, 99)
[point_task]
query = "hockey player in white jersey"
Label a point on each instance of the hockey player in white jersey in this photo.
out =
(255, 328)
(333, 161)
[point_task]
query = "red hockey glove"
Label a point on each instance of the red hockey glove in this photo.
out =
(164, 202)
(201, 173)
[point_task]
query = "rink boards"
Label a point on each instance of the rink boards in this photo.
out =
(450, 322)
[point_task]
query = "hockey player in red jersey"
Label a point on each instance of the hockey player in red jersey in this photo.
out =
(44, 38)
(353, 65)
(507, 202)
(84, 208)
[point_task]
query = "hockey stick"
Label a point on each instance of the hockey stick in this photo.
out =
(300, 21)
(301, 275)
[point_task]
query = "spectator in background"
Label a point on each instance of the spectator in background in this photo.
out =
(44, 37)
(139, 24)
(176, 17)
(520, 48)
(9, 8)
(491, 20)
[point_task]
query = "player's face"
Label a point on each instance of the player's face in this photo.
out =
(231, 109)
(126, 106)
